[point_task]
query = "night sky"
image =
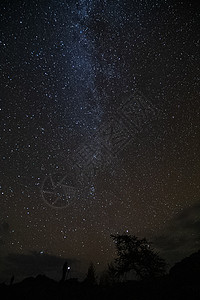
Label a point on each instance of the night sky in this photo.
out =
(99, 112)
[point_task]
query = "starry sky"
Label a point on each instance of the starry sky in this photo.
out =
(99, 112)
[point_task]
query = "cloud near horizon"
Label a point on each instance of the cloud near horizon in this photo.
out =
(4, 231)
(182, 237)
(34, 263)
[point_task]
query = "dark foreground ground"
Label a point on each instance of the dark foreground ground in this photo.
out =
(182, 283)
(42, 287)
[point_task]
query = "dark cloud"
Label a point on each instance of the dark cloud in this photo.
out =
(182, 236)
(25, 265)
(4, 228)
(4, 231)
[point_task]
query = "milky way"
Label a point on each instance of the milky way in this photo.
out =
(99, 113)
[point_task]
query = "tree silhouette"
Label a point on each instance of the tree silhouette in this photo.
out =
(12, 280)
(91, 275)
(136, 254)
(64, 271)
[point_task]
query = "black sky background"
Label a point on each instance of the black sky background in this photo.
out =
(71, 72)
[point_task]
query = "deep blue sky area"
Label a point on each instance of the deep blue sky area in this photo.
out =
(99, 112)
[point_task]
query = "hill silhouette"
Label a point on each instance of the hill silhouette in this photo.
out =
(187, 270)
